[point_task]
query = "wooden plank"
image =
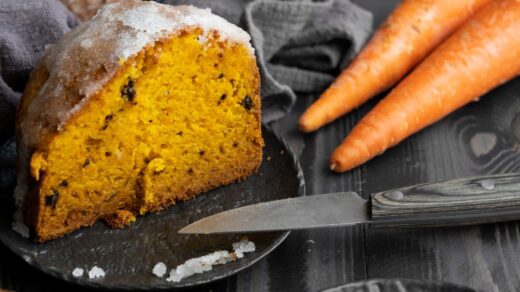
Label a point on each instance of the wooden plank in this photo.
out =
(476, 140)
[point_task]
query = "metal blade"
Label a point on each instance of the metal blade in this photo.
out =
(318, 211)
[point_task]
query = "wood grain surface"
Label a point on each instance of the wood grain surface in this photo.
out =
(482, 138)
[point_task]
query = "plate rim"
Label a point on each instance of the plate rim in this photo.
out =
(85, 282)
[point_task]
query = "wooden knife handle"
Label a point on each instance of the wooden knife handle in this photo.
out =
(462, 201)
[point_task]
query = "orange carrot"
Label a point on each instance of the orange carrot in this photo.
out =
(480, 55)
(412, 31)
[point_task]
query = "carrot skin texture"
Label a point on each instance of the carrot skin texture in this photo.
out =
(480, 55)
(413, 30)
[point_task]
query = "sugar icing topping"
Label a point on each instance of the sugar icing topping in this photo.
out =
(153, 21)
(117, 32)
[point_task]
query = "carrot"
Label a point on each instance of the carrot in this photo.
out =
(413, 29)
(480, 55)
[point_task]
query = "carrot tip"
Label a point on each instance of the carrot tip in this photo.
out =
(304, 127)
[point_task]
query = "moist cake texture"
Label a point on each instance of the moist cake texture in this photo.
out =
(142, 106)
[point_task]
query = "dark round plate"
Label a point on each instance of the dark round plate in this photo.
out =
(128, 255)
(400, 285)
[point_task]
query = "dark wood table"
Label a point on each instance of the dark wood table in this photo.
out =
(480, 139)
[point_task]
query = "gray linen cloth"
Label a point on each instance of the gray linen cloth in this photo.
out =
(300, 45)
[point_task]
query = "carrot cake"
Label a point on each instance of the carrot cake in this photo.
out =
(140, 107)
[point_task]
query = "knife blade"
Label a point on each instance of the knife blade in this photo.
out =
(463, 201)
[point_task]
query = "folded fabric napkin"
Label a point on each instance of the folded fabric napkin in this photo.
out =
(300, 45)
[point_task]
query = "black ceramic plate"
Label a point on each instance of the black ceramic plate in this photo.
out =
(128, 255)
(400, 285)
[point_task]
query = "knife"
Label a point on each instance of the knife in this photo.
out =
(464, 201)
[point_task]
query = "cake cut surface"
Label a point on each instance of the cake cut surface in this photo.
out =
(114, 128)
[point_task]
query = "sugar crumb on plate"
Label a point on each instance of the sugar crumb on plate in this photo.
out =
(159, 269)
(242, 247)
(199, 265)
(96, 272)
(205, 263)
(78, 272)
